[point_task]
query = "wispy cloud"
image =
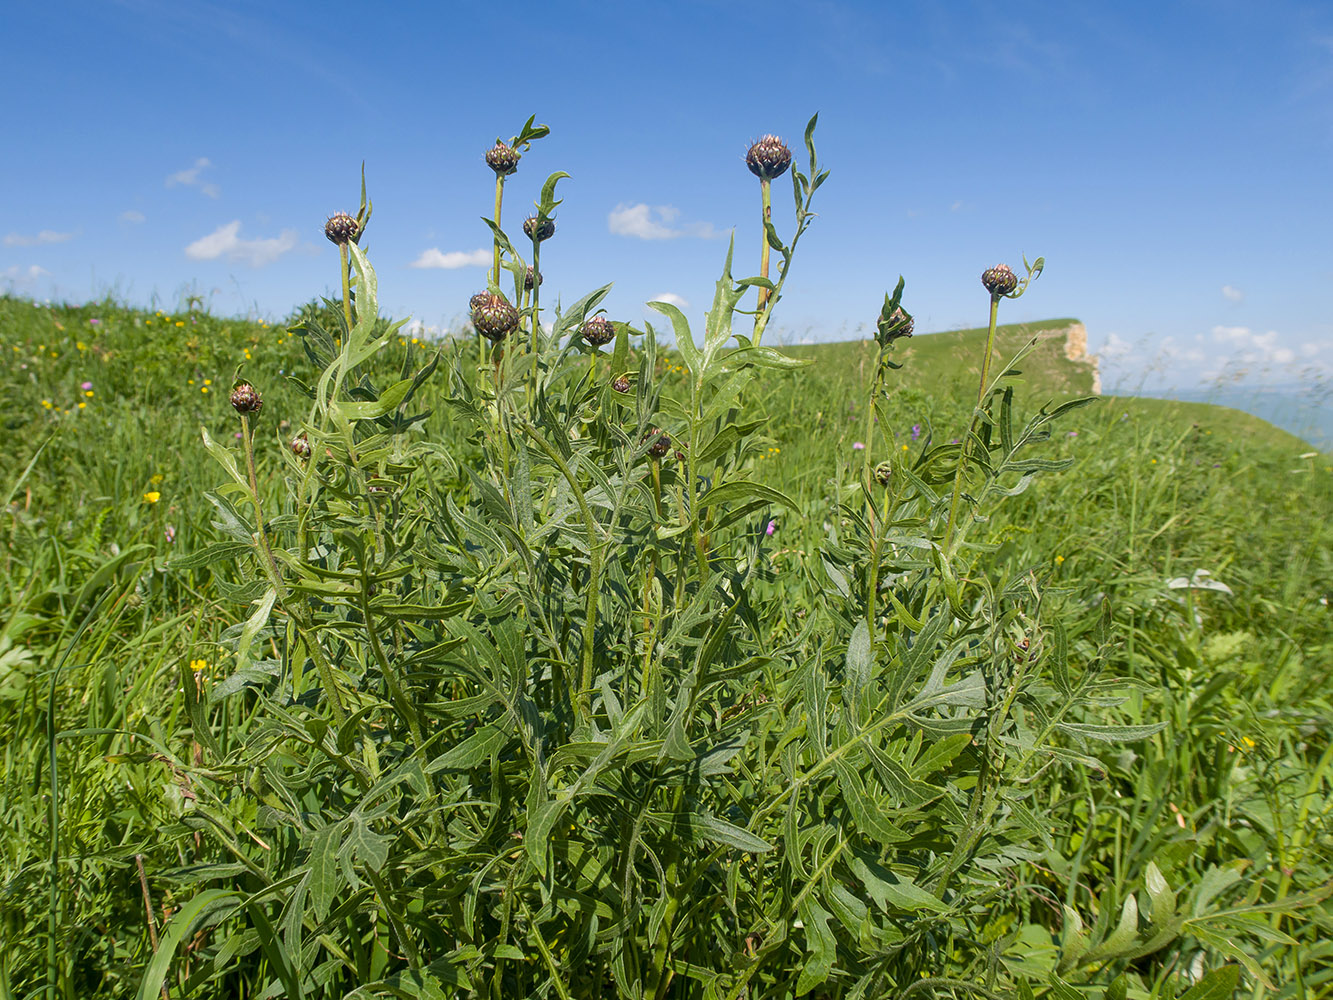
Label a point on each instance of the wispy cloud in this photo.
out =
(1254, 347)
(654, 222)
(225, 241)
(1232, 294)
(676, 300)
(191, 178)
(41, 239)
(25, 275)
(132, 216)
(454, 259)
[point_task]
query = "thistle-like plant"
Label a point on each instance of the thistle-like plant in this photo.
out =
(768, 158)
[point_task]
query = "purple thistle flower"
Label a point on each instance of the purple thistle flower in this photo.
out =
(772, 527)
(916, 431)
(86, 386)
(94, 322)
(858, 446)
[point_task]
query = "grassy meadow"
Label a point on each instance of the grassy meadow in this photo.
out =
(857, 687)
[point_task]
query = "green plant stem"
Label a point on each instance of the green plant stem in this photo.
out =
(499, 198)
(347, 287)
(766, 196)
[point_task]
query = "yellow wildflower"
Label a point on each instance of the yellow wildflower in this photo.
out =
(180, 322)
(82, 405)
(1059, 560)
(88, 393)
(152, 496)
(156, 478)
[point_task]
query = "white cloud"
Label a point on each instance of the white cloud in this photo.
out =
(190, 178)
(648, 222)
(41, 239)
(454, 259)
(24, 275)
(132, 215)
(676, 300)
(1232, 294)
(957, 206)
(225, 241)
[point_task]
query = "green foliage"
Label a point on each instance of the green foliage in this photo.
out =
(484, 698)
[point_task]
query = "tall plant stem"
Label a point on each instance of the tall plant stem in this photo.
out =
(499, 198)
(766, 194)
(971, 430)
(347, 287)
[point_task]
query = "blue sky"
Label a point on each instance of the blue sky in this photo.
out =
(1171, 161)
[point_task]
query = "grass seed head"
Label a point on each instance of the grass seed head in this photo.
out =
(999, 280)
(340, 229)
(544, 228)
(502, 159)
(245, 398)
(599, 331)
(493, 316)
(768, 157)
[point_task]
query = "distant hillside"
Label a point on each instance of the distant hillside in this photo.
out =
(1059, 367)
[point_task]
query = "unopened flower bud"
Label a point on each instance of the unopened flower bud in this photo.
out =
(544, 228)
(301, 446)
(528, 283)
(999, 280)
(493, 316)
(621, 383)
(246, 399)
(883, 473)
(661, 442)
(502, 159)
(340, 229)
(768, 157)
(599, 331)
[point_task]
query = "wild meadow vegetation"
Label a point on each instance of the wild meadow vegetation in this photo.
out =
(576, 657)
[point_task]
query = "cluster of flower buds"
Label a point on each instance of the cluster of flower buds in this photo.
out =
(999, 280)
(543, 228)
(661, 442)
(341, 229)
(768, 157)
(245, 398)
(502, 159)
(493, 316)
(598, 331)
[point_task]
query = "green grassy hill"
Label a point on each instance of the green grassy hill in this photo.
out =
(948, 363)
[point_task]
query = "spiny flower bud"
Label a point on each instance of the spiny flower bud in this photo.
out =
(768, 157)
(340, 229)
(899, 317)
(661, 441)
(502, 159)
(493, 316)
(620, 383)
(246, 399)
(527, 278)
(544, 228)
(301, 446)
(598, 331)
(883, 473)
(999, 280)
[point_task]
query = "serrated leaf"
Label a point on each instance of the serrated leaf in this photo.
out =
(821, 945)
